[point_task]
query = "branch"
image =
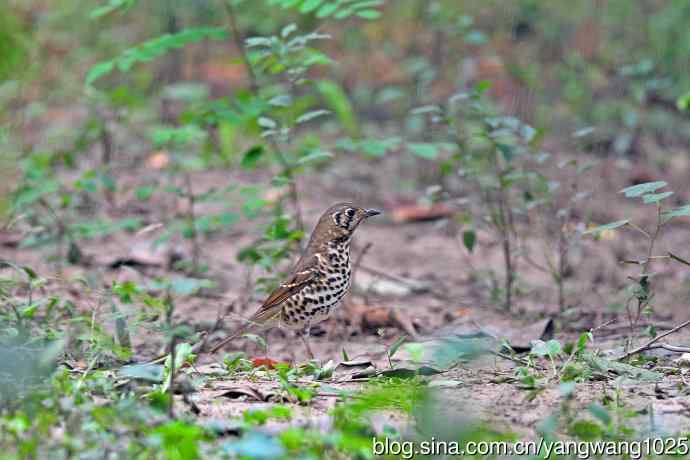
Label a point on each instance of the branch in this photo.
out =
(254, 86)
(647, 345)
(669, 347)
(239, 42)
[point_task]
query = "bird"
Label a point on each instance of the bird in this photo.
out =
(318, 281)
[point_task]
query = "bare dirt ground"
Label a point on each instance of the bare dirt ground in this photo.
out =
(452, 297)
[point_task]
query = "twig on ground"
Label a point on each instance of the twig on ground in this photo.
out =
(669, 347)
(510, 358)
(647, 345)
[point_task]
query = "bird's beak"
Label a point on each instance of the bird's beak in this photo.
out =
(371, 212)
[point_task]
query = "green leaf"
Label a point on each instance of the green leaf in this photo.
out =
(609, 226)
(311, 115)
(423, 150)
(337, 100)
(112, 6)
(655, 197)
(30, 311)
(566, 388)
(327, 9)
(183, 286)
(369, 14)
(315, 156)
(393, 349)
(288, 29)
(267, 123)
(148, 372)
(600, 413)
(683, 102)
(469, 238)
(582, 341)
(586, 430)
(554, 347)
(30, 272)
(641, 189)
(144, 192)
(154, 48)
(683, 211)
(251, 157)
(254, 445)
(551, 348)
(98, 71)
(309, 5)
(183, 353)
(257, 339)
(344, 13)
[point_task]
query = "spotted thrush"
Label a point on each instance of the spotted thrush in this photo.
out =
(318, 281)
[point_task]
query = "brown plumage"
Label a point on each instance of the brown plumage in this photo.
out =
(318, 281)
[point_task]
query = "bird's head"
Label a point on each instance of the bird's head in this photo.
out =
(342, 219)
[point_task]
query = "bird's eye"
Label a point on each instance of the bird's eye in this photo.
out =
(350, 212)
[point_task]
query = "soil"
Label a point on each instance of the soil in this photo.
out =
(456, 293)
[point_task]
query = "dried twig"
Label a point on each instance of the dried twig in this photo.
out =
(647, 345)
(520, 361)
(669, 347)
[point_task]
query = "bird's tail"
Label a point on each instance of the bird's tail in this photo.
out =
(231, 337)
(260, 318)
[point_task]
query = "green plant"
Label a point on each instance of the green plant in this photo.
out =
(553, 207)
(640, 300)
(493, 153)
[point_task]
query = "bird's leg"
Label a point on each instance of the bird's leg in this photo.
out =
(305, 339)
(268, 355)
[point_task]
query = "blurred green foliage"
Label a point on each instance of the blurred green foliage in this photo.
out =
(462, 92)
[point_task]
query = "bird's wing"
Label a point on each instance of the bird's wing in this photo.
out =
(304, 273)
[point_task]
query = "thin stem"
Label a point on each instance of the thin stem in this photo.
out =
(171, 350)
(562, 262)
(640, 229)
(171, 380)
(254, 87)
(237, 38)
(191, 222)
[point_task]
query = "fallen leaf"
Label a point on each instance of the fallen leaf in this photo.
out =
(521, 339)
(247, 393)
(148, 372)
(607, 366)
(445, 383)
(10, 240)
(357, 362)
(378, 317)
(211, 369)
(145, 254)
(416, 213)
(267, 362)
(462, 311)
(158, 160)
